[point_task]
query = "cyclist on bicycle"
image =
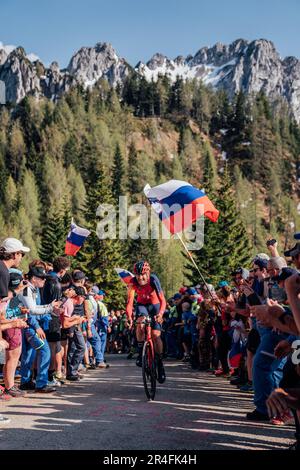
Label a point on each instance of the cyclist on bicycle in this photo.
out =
(150, 302)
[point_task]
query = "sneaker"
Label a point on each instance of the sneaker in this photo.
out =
(4, 420)
(92, 367)
(102, 365)
(45, 389)
(14, 392)
(59, 378)
(73, 378)
(3, 394)
(248, 387)
(139, 361)
(236, 381)
(277, 421)
(54, 383)
(220, 373)
(281, 420)
(28, 386)
(256, 415)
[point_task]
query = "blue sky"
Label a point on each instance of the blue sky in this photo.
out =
(137, 29)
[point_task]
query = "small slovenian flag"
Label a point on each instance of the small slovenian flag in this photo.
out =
(179, 204)
(75, 239)
(125, 275)
(235, 354)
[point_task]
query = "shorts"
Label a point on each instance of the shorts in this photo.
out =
(55, 347)
(14, 338)
(253, 340)
(187, 339)
(53, 336)
(151, 310)
(64, 334)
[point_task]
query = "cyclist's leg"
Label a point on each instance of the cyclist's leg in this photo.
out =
(158, 345)
(140, 313)
(157, 341)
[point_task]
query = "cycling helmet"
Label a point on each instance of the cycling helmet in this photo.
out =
(141, 267)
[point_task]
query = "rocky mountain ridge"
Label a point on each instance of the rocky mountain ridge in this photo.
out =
(250, 66)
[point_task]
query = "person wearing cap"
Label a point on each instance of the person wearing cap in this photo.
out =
(52, 288)
(94, 339)
(267, 371)
(208, 291)
(223, 284)
(8, 258)
(276, 315)
(279, 317)
(172, 329)
(52, 291)
(294, 253)
(292, 284)
(102, 327)
(263, 256)
(11, 254)
(72, 322)
(272, 289)
(35, 344)
(13, 335)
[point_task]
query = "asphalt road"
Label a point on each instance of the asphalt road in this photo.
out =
(108, 410)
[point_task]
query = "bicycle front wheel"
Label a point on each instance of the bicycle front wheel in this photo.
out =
(149, 370)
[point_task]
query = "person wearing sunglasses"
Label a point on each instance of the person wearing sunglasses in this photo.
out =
(11, 254)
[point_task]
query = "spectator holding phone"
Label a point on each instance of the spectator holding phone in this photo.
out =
(13, 335)
(76, 344)
(11, 254)
(34, 338)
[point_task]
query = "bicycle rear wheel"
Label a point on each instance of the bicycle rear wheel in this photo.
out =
(149, 370)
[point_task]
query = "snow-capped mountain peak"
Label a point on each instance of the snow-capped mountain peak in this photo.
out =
(250, 66)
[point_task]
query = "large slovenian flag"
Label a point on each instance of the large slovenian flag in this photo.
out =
(179, 204)
(125, 275)
(75, 239)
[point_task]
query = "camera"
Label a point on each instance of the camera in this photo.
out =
(271, 242)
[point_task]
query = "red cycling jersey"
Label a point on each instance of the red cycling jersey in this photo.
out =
(151, 293)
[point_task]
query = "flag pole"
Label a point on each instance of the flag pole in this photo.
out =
(194, 263)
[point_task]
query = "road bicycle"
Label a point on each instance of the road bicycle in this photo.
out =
(149, 362)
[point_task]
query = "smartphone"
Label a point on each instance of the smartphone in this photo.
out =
(271, 242)
(266, 353)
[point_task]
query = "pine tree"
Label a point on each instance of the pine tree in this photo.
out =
(118, 175)
(77, 194)
(98, 256)
(54, 234)
(205, 257)
(232, 233)
(133, 177)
